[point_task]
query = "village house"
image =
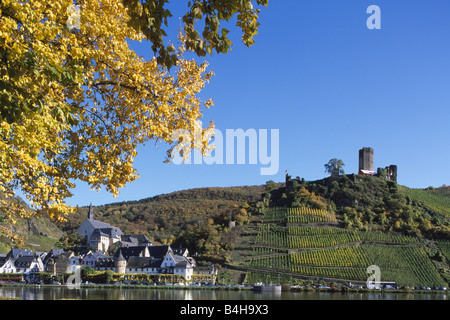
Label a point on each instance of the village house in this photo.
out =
(16, 253)
(106, 263)
(138, 251)
(21, 262)
(150, 260)
(74, 264)
(148, 265)
(91, 259)
(52, 253)
(179, 265)
(134, 240)
(7, 265)
(28, 264)
(207, 271)
(58, 264)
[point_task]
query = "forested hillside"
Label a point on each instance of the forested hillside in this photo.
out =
(334, 229)
(195, 218)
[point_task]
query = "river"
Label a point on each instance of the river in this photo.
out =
(57, 293)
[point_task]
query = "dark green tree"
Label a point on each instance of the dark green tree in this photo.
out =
(202, 28)
(334, 167)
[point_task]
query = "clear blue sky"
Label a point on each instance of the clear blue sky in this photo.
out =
(331, 86)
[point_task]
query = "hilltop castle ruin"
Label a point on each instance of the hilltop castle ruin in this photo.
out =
(366, 166)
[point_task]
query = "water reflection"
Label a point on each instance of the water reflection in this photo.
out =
(56, 293)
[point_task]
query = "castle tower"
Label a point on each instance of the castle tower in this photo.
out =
(91, 213)
(391, 173)
(121, 264)
(365, 159)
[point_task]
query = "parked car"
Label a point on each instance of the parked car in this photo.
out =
(323, 287)
(179, 284)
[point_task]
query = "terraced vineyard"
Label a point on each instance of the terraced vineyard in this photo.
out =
(303, 242)
(444, 246)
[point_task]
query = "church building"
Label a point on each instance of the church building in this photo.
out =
(99, 235)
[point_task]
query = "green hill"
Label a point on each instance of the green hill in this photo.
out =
(334, 229)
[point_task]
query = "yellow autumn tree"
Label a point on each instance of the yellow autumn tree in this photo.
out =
(76, 101)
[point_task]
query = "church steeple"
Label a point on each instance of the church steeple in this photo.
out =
(91, 213)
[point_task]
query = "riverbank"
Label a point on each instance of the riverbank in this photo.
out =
(160, 295)
(286, 288)
(131, 286)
